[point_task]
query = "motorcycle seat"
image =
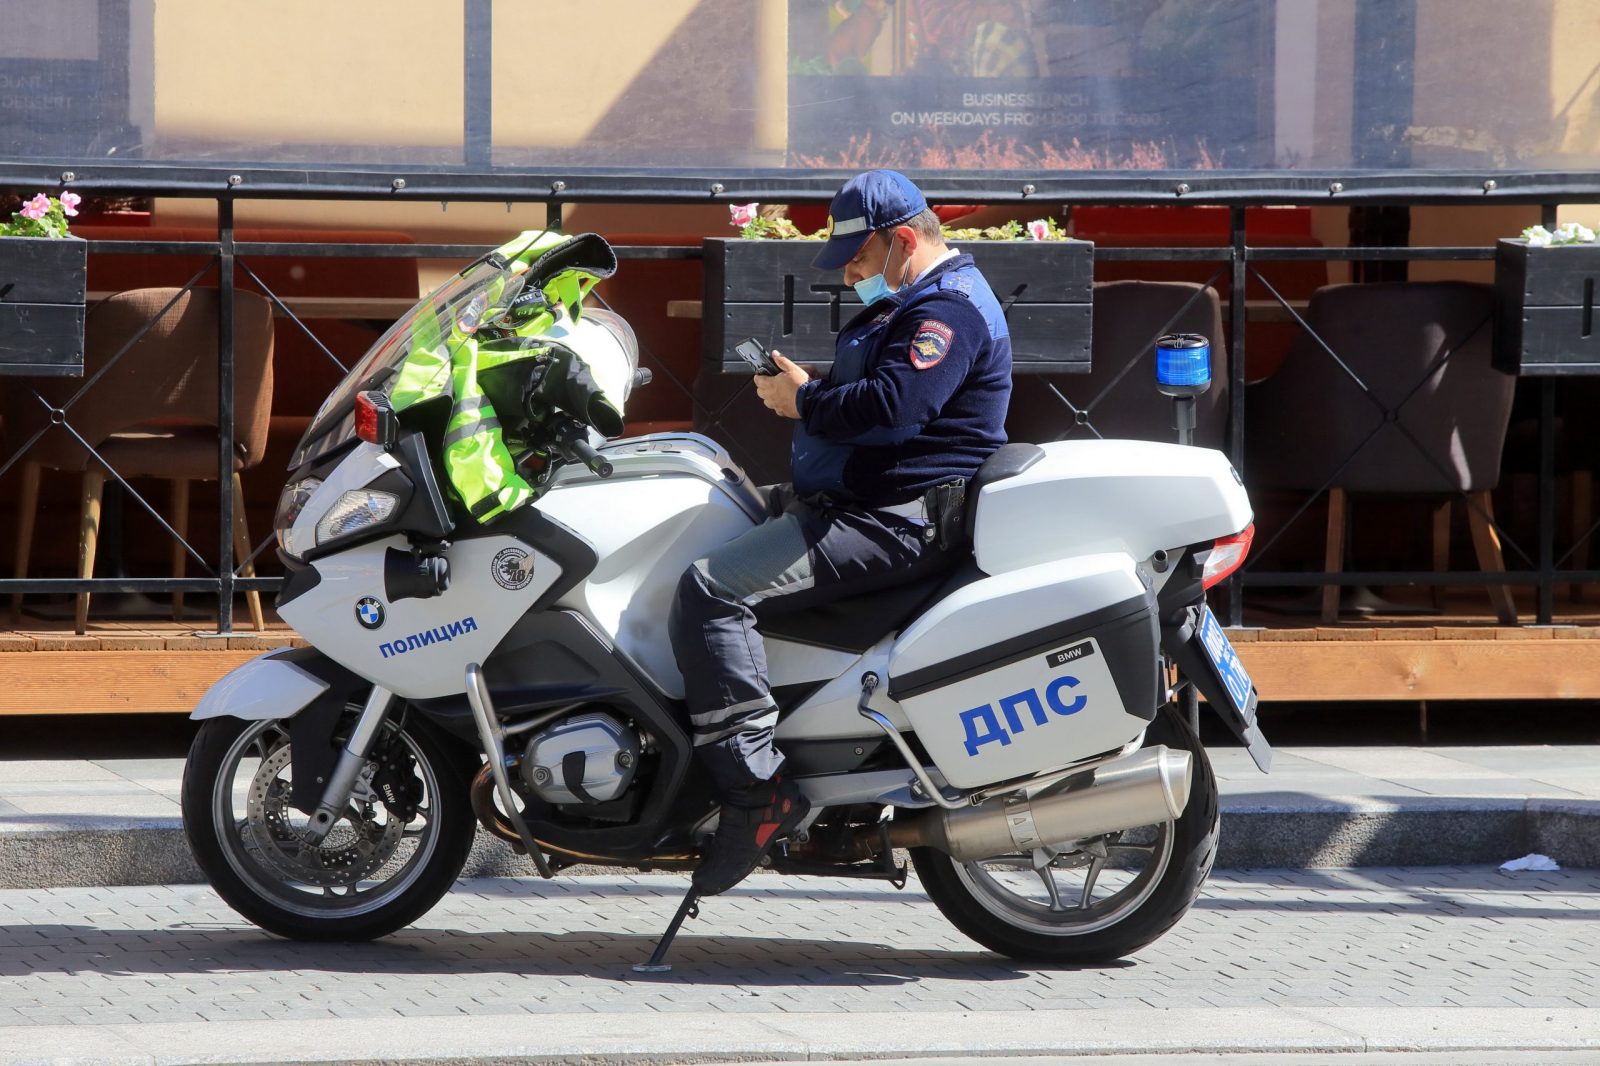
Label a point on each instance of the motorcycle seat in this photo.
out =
(856, 623)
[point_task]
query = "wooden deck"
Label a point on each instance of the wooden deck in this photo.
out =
(1410, 662)
(121, 667)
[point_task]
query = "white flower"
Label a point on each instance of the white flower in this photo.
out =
(1567, 232)
(1538, 237)
(1585, 234)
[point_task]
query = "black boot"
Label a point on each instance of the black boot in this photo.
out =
(747, 828)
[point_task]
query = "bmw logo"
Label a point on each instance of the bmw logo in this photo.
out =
(369, 612)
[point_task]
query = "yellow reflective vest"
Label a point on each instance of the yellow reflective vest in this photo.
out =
(447, 361)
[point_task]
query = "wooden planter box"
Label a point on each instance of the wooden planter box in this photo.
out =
(767, 289)
(1545, 309)
(41, 306)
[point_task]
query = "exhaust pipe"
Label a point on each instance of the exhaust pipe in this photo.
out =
(1149, 786)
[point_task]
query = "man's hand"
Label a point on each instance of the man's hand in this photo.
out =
(777, 390)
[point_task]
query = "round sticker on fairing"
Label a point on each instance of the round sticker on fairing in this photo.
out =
(512, 569)
(369, 612)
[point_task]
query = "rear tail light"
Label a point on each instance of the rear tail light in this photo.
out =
(1226, 556)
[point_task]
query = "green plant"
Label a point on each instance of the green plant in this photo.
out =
(753, 225)
(42, 216)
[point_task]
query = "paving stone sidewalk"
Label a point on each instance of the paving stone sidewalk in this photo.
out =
(117, 821)
(522, 960)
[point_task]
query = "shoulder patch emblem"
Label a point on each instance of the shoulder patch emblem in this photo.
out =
(930, 344)
(961, 283)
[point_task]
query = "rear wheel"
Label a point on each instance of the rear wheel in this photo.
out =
(396, 850)
(1097, 900)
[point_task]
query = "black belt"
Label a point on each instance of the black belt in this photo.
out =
(942, 510)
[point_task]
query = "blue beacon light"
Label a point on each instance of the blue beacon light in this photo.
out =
(1183, 364)
(1183, 372)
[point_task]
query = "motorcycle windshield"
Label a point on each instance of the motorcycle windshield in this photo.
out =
(458, 306)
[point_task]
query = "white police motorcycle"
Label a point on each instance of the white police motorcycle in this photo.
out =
(1014, 723)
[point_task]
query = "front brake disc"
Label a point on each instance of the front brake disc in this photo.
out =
(355, 848)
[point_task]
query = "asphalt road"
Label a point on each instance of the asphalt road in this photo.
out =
(1461, 960)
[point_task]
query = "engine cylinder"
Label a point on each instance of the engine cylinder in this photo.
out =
(586, 759)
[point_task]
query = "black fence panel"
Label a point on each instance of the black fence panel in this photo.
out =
(230, 569)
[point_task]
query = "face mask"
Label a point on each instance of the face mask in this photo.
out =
(875, 288)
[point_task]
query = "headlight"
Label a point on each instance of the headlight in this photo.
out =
(355, 511)
(290, 504)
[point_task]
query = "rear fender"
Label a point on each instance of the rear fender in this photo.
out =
(302, 687)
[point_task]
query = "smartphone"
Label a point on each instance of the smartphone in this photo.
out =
(755, 353)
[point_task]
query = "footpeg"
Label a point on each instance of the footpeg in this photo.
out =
(689, 908)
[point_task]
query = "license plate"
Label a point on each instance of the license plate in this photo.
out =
(1225, 660)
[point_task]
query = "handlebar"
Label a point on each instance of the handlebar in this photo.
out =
(584, 452)
(573, 438)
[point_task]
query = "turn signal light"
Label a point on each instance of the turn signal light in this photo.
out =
(1226, 556)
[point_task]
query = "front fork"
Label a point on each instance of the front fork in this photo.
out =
(342, 782)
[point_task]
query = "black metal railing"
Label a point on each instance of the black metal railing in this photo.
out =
(1539, 568)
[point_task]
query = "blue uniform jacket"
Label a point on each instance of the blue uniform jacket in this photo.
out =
(917, 395)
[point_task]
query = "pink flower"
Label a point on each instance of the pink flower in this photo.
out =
(69, 203)
(38, 207)
(742, 214)
(1039, 229)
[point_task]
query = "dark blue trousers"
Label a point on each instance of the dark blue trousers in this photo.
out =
(809, 553)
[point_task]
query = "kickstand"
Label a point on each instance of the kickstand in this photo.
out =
(689, 908)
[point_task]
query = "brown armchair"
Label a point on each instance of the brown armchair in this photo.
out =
(150, 414)
(1437, 428)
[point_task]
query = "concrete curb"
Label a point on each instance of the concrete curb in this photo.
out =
(626, 1039)
(158, 853)
(1255, 835)
(1430, 833)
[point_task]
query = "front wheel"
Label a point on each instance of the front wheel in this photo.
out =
(396, 850)
(1100, 899)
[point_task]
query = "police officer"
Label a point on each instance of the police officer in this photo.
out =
(916, 399)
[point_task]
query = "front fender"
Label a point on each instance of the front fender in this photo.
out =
(298, 685)
(270, 686)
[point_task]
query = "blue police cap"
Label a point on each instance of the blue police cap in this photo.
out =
(872, 201)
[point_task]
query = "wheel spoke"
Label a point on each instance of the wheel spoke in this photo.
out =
(1011, 862)
(1089, 879)
(1048, 876)
(1147, 849)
